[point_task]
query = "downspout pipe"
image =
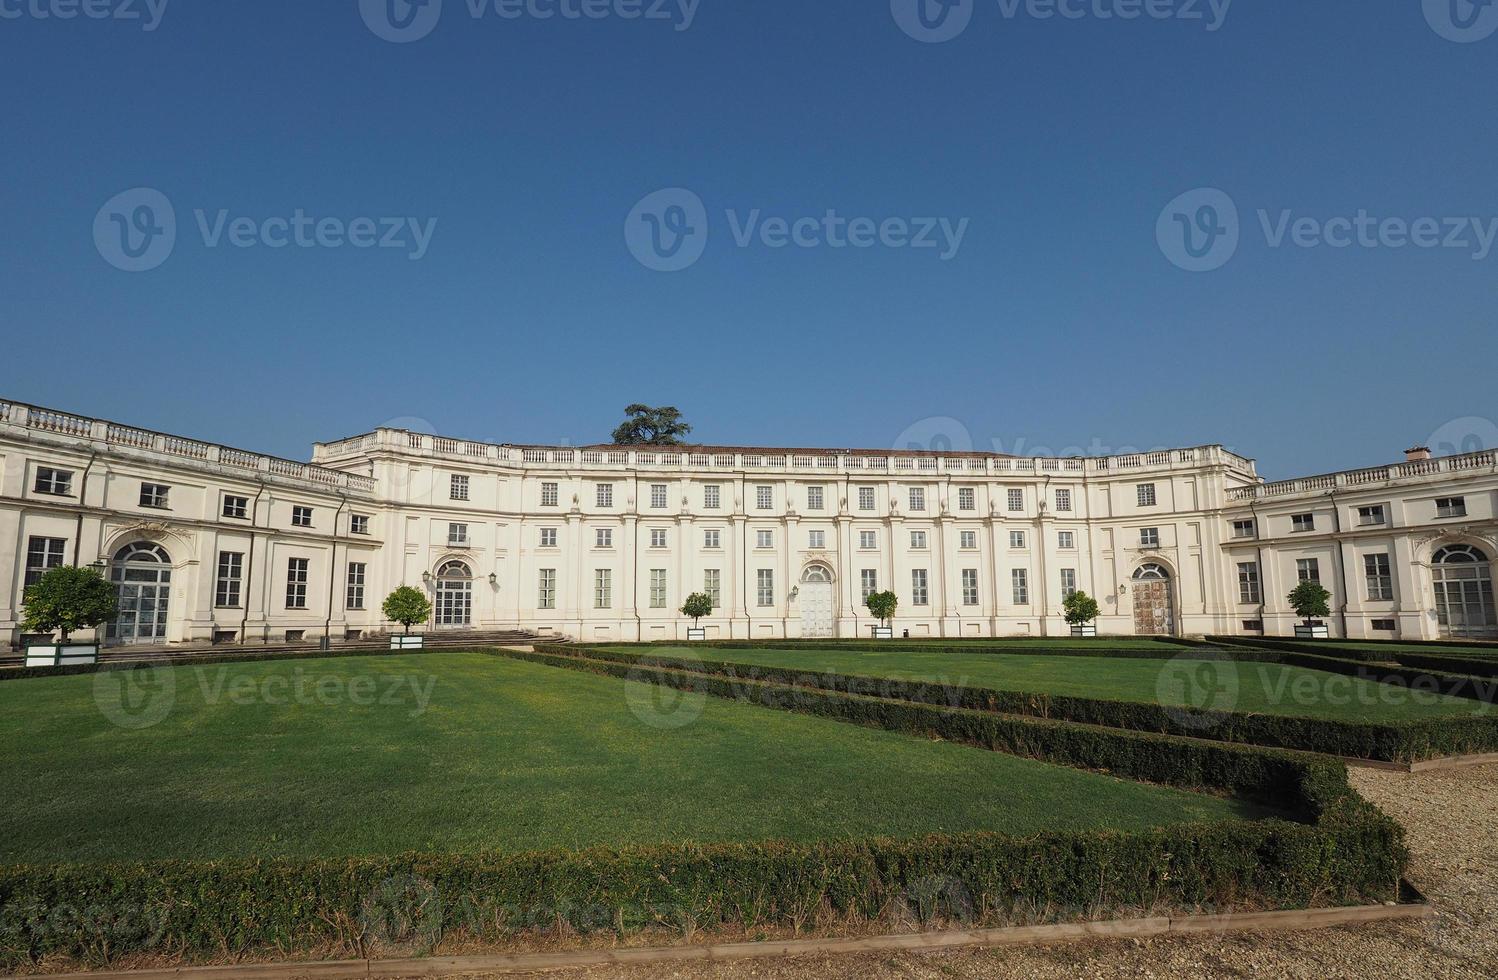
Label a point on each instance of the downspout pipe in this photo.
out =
(327, 630)
(1253, 508)
(1341, 561)
(82, 504)
(249, 570)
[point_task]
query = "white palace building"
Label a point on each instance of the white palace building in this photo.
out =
(216, 545)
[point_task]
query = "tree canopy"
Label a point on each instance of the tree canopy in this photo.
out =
(1080, 608)
(67, 599)
(698, 604)
(648, 426)
(406, 606)
(1310, 599)
(882, 605)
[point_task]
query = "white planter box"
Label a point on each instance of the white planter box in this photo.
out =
(1084, 631)
(1317, 631)
(61, 654)
(884, 632)
(404, 642)
(696, 634)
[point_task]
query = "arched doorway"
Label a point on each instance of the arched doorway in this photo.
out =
(454, 595)
(1463, 580)
(142, 577)
(1153, 614)
(816, 602)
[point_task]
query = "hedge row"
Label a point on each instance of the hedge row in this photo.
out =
(1392, 742)
(1164, 652)
(23, 673)
(1452, 685)
(1291, 646)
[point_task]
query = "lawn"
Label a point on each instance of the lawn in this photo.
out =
(1264, 688)
(466, 752)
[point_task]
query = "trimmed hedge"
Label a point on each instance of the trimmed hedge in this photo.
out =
(1166, 651)
(1453, 665)
(1392, 742)
(23, 673)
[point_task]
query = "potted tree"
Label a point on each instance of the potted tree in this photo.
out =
(1310, 600)
(67, 599)
(1081, 612)
(883, 606)
(698, 604)
(407, 606)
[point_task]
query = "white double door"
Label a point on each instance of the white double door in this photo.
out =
(816, 609)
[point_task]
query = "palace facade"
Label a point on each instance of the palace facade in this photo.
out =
(212, 544)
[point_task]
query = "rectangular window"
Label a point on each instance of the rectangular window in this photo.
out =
(918, 593)
(712, 539)
(1146, 494)
(1385, 625)
(868, 581)
(236, 507)
(918, 540)
(603, 537)
(865, 498)
(1380, 578)
(296, 583)
(969, 586)
(1021, 579)
(968, 540)
(967, 498)
(603, 588)
(657, 537)
(868, 540)
(764, 497)
(657, 588)
(712, 496)
(712, 585)
(766, 582)
(59, 483)
(1308, 570)
(457, 487)
(301, 517)
(230, 578)
(457, 535)
(658, 496)
(1253, 625)
(548, 537)
(546, 593)
(1016, 500)
(1016, 539)
(1248, 583)
(1371, 516)
(1243, 529)
(764, 539)
(1068, 582)
(358, 524)
(1302, 522)
(816, 498)
(817, 539)
(604, 494)
(1447, 507)
(42, 554)
(1066, 540)
(154, 495)
(548, 495)
(1149, 537)
(354, 599)
(917, 498)
(1063, 499)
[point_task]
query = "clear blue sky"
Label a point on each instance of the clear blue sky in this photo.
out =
(1058, 323)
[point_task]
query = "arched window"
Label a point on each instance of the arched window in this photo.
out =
(1152, 573)
(1463, 580)
(454, 594)
(1459, 554)
(142, 576)
(817, 574)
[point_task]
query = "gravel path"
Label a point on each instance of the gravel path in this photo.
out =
(1452, 820)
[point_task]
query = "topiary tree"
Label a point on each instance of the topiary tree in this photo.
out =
(1080, 608)
(67, 599)
(698, 604)
(406, 606)
(1310, 600)
(882, 605)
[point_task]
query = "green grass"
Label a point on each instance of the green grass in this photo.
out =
(1430, 650)
(505, 756)
(1251, 687)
